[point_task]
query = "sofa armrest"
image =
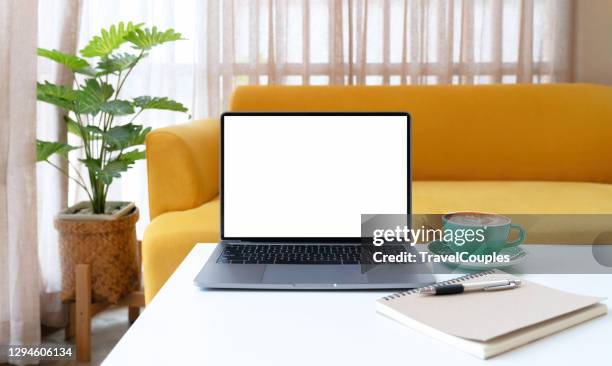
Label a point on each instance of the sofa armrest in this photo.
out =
(182, 166)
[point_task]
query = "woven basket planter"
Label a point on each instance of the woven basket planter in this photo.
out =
(108, 246)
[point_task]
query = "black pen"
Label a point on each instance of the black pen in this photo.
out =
(470, 286)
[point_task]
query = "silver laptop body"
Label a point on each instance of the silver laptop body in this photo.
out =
(293, 189)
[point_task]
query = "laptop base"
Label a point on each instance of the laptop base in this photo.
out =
(310, 276)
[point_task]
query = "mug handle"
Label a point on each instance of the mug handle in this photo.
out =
(521, 237)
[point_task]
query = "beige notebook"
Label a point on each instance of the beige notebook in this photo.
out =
(486, 324)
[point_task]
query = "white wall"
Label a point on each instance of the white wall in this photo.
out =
(593, 41)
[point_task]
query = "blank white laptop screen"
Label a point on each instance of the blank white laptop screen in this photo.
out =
(312, 176)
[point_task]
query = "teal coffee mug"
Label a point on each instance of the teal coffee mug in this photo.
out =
(479, 232)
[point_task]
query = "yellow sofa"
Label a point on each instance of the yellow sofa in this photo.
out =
(497, 148)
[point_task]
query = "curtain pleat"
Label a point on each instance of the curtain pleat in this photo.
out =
(336, 49)
(213, 57)
(414, 41)
(253, 42)
(497, 47)
(386, 42)
(306, 42)
(199, 93)
(52, 185)
(466, 48)
(557, 47)
(445, 36)
(19, 267)
(228, 50)
(280, 41)
(363, 46)
(404, 60)
(271, 45)
(525, 60)
(358, 13)
(351, 42)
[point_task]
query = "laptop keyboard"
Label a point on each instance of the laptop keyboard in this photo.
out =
(290, 254)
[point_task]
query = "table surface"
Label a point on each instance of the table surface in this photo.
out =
(186, 325)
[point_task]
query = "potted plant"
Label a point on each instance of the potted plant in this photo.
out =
(99, 232)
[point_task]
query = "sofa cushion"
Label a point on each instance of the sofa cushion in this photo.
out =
(550, 212)
(512, 197)
(169, 238)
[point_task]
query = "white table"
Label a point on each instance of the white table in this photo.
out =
(185, 325)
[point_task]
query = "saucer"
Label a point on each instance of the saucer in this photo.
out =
(517, 255)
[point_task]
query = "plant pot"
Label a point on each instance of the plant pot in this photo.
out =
(109, 246)
(82, 211)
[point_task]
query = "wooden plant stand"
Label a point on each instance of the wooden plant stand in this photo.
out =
(81, 310)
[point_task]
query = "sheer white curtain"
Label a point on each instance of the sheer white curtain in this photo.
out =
(383, 42)
(19, 271)
(237, 42)
(59, 22)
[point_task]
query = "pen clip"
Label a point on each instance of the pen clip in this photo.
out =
(509, 285)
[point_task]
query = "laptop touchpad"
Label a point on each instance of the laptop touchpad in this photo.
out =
(296, 273)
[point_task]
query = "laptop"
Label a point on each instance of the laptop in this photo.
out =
(294, 187)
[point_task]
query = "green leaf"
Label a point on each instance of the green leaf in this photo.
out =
(109, 40)
(58, 95)
(147, 102)
(121, 137)
(90, 71)
(73, 127)
(92, 96)
(117, 107)
(115, 63)
(90, 131)
(44, 149)
(145, 39)
(136, 137)
(106, 174)
(93, 132)
(56, 91)
(92, 164)
(74, 63)
(140, 138)
(113, 170)
(132, 156)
